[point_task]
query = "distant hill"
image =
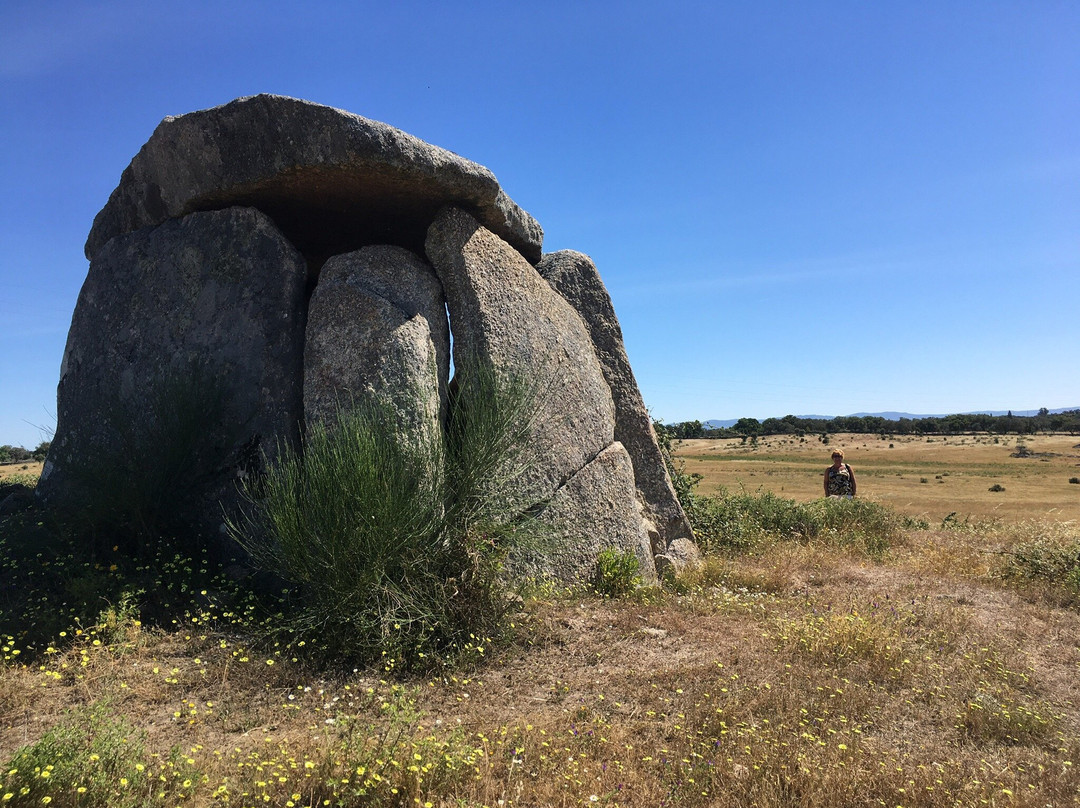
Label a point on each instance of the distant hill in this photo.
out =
(892, 416)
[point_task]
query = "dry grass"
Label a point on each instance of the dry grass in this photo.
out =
(20, 472)
(928, 478)
(804, 676)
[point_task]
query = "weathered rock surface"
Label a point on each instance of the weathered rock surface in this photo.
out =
(680, 555)
(503, 313)
(208, 308)
(331, 180)
(377, 332)
(595, 510)
(574, 276)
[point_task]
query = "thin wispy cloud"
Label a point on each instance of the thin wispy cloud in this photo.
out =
(765, 275)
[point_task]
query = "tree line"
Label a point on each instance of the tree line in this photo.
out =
(1044, 421)
(17, 454)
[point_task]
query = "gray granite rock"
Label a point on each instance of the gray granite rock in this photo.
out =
(331, 180)
(198, 319)
(377, 333)
(574, 276)
(680, 555)
(597, 509)
(503, 313)
(576, 479)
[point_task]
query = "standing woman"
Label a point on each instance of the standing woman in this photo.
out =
(839, 478)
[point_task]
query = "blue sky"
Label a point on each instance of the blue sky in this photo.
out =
(797, 207)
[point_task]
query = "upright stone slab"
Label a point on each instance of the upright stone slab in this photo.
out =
(377, 333)
(333, 181)
(574, 276)
(205, 311)
(504, 313)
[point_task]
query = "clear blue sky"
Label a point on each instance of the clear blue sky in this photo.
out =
(798, 207)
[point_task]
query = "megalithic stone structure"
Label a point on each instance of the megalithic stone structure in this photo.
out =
(304, 258)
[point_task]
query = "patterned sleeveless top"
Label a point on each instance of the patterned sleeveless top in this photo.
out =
(840, 481)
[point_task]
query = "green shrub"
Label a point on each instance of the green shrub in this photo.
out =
(397, 547)
(1044, 560)
(92, 757)
(29, 480)
(743, 522)
(125, 536)
(617, 573)
(996, 487)
(740, 523)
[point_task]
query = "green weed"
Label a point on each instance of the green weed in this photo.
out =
(21, 478)
(617, 573)
(59, 582)
(1052, 561)
(92, 757)
(158, 461)
(989, 718)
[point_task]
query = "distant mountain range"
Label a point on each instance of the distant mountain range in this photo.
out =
(893, 416)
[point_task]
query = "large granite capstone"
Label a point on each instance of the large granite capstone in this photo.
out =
(331, 180)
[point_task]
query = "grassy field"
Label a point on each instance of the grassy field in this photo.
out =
(798, 674)
(923, 477)
(25, 473)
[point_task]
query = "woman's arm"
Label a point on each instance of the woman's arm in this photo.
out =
(851, 474)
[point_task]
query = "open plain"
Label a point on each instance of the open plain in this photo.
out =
(26, 473)
(928, 477)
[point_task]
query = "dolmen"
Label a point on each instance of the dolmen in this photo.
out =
(292, 254)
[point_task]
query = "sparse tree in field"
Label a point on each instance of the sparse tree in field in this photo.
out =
(747, 426)
(958, 424)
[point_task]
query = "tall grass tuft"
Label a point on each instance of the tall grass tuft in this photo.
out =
(392, 546)
(617, 573)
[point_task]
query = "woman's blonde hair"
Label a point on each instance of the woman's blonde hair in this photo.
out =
(838, 453)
